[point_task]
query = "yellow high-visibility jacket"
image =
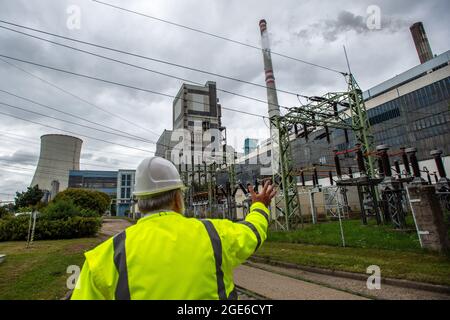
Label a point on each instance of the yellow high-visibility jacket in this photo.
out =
(167, 256)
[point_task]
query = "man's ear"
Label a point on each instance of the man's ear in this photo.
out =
(179, 203)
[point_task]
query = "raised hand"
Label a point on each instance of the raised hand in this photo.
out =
(265, 195)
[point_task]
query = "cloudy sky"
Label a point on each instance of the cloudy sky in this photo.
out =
(310, 30)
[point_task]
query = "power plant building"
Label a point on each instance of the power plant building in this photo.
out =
(196, 110)
(409, 110)
(58, 155)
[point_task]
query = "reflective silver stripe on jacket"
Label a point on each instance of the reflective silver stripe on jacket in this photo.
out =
(255, 231)
(263, 213)
(120, 261)
(217, 248)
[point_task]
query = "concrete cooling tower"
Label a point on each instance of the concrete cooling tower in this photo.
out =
(59, 154)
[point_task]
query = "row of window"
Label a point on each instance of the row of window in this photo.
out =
(433, 93)
(432, 132)
(125, 193)
(126, 180)
(436, 120)
(391, 114)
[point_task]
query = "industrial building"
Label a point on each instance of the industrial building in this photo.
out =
(119, 185)
(411, 109)
(197, 111)
(58, 155)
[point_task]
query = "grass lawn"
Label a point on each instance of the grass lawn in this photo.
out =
(39, 272)
(356, 235)
(415, 266)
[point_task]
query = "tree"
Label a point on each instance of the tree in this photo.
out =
(31, 197)
(86, 199)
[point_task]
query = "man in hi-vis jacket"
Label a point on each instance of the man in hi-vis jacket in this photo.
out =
(168, 256)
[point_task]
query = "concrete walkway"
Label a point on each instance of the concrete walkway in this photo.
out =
(387, 292)
(278, 287)
(111, 227)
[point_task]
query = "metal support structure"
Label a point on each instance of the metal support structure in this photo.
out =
(336, 204)
(341, 110)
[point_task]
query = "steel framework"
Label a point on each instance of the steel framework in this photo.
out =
(341, 110)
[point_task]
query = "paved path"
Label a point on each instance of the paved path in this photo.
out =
(387, 292)
(276, 286)
(111, 227)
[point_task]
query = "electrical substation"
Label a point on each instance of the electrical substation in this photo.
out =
(378, 178)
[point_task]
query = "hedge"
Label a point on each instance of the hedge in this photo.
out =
(16, 229)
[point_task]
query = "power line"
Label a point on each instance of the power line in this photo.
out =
(121, 84)
(60, 160)
(79, 98)
(144, 68)
(76, 133)
(29, 156)
(67, 121)
(133, 55)
(29, 141)
(218, 36)
(81, 118)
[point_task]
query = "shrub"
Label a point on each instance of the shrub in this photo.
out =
(13, 229)
(4, 212)
(60, 209)
(86, 199)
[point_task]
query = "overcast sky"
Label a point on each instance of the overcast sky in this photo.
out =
(311, 30)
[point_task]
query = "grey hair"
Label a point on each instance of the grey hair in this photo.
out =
(163, 201)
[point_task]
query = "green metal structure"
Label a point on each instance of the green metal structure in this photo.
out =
(342, 110)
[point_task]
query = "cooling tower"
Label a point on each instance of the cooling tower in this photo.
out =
(59, 154)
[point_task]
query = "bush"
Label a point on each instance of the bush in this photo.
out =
(4, 212)
(14, 229)
(60, 209)
(86, 199)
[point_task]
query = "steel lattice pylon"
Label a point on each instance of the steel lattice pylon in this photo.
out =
(361, 124)
(287, 204)
(342, 110)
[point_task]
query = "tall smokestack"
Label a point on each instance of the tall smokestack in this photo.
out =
(421, 41)
(272, 98)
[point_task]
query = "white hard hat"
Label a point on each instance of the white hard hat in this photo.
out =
(155, 175)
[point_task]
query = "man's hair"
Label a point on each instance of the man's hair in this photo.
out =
(162, 201)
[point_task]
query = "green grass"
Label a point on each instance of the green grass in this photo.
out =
(355, 233)
(415, 266)
(39, 272)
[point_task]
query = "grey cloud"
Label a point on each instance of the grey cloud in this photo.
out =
(231, 18)
(20, 157)
(107, 160)
(346, 21)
